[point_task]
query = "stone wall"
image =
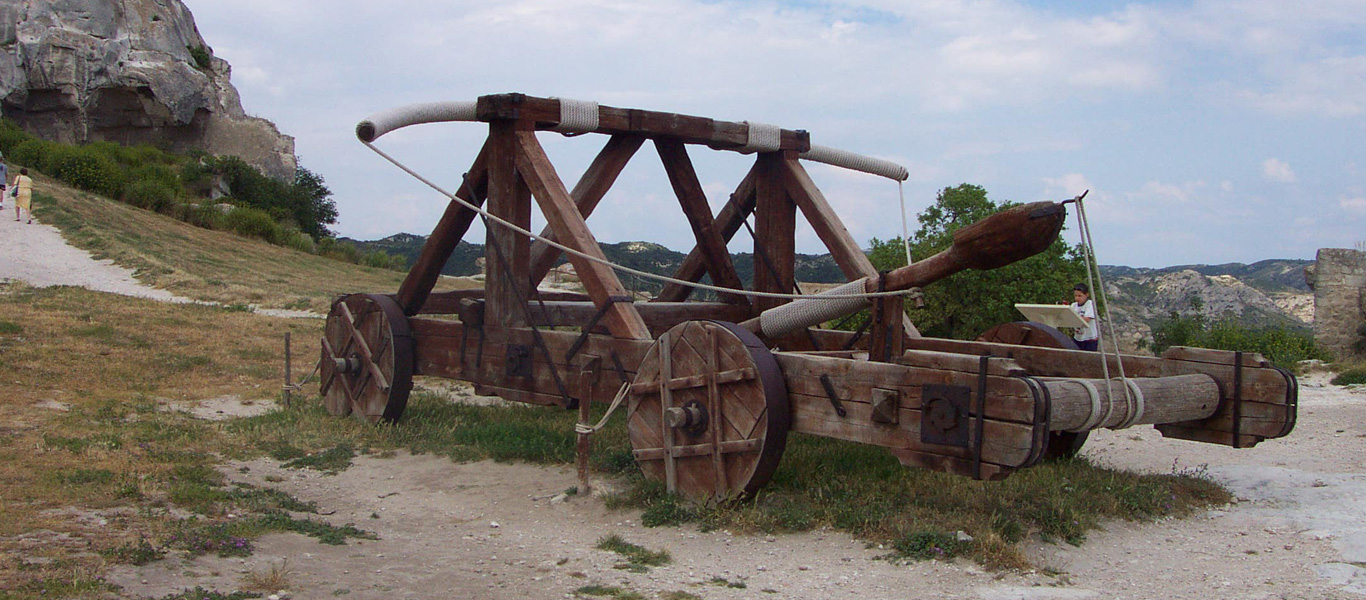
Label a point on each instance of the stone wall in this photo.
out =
(1338, 278)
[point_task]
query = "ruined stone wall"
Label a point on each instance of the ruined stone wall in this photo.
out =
(1338, 278)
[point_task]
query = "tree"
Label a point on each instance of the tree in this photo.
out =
(970, 302)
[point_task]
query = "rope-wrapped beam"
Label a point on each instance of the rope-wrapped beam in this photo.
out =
(379, 124)
(1085, 404)
(856, 162)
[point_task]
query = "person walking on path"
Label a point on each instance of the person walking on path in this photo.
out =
(1088, 337)
(4, 178)
(23, 186)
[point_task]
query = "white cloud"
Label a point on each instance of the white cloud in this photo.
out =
(1275, 169)
(1071, 184)
(1354, 205)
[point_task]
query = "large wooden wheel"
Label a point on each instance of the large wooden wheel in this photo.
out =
(367, 358)
(708, 414)
(1061, 444)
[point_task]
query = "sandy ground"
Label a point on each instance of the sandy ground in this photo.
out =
(487, 530)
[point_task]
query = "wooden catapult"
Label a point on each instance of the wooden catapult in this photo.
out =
(712, 388)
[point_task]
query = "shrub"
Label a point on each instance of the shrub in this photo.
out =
(338, 250)
(151, 195)
(201, 56)
(200, 214)
(380, 259)
(32, 153)
(1283, 347)
(11, 135)
(252, 222)
(87, 168)
(160, 173)
(298, 240)
(1350, 377)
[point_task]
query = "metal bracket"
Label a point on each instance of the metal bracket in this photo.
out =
(519, 361)
(592, 324)
(886, 405)
(944, 414)
(834, 398)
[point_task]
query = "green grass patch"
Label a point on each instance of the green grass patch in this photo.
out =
(609, 591)
(10, 328)
(634, 554)
(1352, 376)
(334, 460)
(202, 593)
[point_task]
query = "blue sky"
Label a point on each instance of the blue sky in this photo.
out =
(1207, 132)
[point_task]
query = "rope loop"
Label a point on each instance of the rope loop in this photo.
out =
(586, 429)
(577, 116)
(762, 137)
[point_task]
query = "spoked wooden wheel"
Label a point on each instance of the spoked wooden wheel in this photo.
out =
(708, 414)
(1061, 444)
(367, 358)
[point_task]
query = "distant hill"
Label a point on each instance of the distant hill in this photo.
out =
(1265, 293)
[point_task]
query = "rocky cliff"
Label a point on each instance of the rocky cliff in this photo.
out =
(128, 71)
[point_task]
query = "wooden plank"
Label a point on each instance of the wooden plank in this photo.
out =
(448, 303)
(417, 286)
(775, 221)
(693, 199)
(559, 210)
(587, 193)
(666, 400)
(1217, 357)
(506, 253)
(721, 135)
(963, 363)
(1006, 444)
(728, 221)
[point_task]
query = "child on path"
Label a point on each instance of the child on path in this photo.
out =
(24, 200)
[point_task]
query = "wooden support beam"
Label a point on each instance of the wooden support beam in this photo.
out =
(417, 286)
(507, 254)
(694, 202)
(728, 221)
(592, 186)
(558, 207)
(775, 221)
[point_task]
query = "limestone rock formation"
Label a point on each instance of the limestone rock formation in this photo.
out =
(128, 71)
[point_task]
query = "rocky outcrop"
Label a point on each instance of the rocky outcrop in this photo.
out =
(128, 71)
(1339, 282)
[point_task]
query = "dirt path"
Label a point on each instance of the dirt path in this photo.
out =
(487, 530)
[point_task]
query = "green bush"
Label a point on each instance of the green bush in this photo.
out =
(1350, 377)
(31, 153)
(252, 222)
(298, 240)
(1283, 347)
(151, 195)
(380, 259)
(160, 173)
(201, 56)
(87, 168)
(11, 135)
(200, 214)
(338, 250)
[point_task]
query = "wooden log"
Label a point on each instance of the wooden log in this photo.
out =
(587, 193)
(962, 363)
(448, 303)
(1164, 400)
(506, 254)
(558, 207)
(727, 222)
(693, 199)
(1216, 357)
(417, 286)
(721, 135)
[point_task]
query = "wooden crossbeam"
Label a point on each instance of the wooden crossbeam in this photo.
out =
(417, 286)
(592, 186)
(728, 221)
(600, 281)
(686, 186)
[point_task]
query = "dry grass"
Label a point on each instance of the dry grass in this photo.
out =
(203, 264)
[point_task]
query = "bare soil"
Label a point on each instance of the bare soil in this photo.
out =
(489, 530)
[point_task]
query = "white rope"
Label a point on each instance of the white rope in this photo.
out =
(1136, 408)
(585, 429)
(762, 137)
(1095, 418)
(1093, 265)
(604, 262)
(379, 124)
(905, 230)
(796, 316)
(577, 116)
